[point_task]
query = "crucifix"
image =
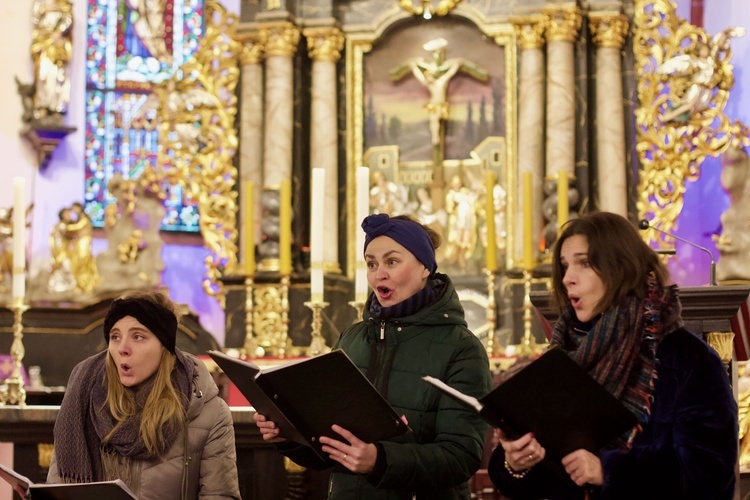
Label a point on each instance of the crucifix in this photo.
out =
(435, 74)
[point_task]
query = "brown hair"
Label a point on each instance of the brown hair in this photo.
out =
(617, 253)
(164, 406)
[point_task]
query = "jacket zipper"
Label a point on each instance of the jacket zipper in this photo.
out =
(382, 330)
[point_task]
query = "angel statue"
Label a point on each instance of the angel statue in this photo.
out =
(73, 265)
(701, 67)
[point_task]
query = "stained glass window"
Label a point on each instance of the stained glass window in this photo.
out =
(131, 46)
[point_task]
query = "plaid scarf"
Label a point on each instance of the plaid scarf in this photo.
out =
(84, 420)
(619, 351)
(431, 293)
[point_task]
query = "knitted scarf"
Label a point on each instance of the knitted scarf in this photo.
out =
(430, 294)
(84, 420)
(619, 351)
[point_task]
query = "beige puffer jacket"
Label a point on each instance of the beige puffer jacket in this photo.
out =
(211, 470)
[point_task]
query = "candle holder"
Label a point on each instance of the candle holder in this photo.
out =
(14, 392)
(527, 346)
(284, 322)
(491, 312)
(250, 348)
(359, 306)
(318, 343)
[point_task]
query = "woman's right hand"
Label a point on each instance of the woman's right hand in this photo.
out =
(268, 429)
(522, 453)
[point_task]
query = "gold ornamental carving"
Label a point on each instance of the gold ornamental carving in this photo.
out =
(280, 39)
(425, 9)
(609, 31)
(253, 52)
(683, 82)
(562, 23)
(324, 44)
(197, 112)
(530, 31)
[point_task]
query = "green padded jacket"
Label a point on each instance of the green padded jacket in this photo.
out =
(436, 460)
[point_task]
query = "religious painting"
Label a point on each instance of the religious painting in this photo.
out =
(133, 45)
(445, 67)
(438, 107)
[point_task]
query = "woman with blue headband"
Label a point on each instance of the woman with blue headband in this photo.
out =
(413, 326)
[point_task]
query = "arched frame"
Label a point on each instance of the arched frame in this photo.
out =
(363, 42)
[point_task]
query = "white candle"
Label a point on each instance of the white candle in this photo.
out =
(316, 234)
(19, 239)
(363, 209)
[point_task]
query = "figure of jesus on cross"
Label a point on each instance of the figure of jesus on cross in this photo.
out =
(435, 75)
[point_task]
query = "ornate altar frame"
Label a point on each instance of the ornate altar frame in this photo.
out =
(360, 41)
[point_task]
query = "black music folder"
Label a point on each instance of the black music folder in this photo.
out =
(306, 397)
(111, 490)
(557, 400)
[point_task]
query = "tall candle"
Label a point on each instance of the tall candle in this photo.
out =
(316, 234)
(489, 210)
(285, 228)
(363, 209)
(528, 236)
(248, 214)
(19, 239)
(562, 199)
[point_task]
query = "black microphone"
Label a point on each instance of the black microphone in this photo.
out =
(645, 224)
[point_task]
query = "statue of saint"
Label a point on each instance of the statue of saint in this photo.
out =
(73, 265)
(51, 51)
(734, 242)
(435, 75)
(701, 67)
(386, 197)
(460, 204)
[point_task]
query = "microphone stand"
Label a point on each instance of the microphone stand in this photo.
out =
(645, 224)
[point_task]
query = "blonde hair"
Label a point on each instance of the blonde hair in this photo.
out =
(164, 408)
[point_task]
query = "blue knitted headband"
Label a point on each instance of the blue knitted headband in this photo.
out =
(409, 234)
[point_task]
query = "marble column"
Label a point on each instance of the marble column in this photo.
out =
(280, 40)
(251, 125)
(562, 25)
(609, 31)
(530, 34)
(324, 45)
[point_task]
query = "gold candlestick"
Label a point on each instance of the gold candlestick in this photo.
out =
(250, 348)
(528, 344)
(14, 392)
(491, 312)
(318, 343)
(359, 306)
(284, 324)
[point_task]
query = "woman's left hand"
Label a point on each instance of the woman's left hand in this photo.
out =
(584, 468)
(354, 454)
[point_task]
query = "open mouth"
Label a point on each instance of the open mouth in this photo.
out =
(574, 301)
(384, 292)
(125, 369)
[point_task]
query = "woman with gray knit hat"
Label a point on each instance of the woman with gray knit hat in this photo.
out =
(413, 326)
(145, 412)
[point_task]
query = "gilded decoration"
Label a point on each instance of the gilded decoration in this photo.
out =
(530, 31)
(609, 30)
(683, 82)
(253, 51)
(562, 23)
(424, 7)
(280, 39)
(396, 122)
(197, 115)
(324, 44)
